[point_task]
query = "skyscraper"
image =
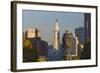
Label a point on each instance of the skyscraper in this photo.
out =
(80, 34)
(87, 25)
(56, 36)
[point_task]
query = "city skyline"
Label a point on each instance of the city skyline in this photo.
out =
(45, 21)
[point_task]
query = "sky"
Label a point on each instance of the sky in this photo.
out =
(45, 21)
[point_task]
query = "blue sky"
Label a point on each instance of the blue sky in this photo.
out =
(45, 22)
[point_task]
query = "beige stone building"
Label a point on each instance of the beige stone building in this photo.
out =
(32, 33)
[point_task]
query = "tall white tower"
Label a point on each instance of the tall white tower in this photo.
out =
(56, 36)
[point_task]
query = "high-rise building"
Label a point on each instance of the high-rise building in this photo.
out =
(86, 53)
(87, 25)
(80, 34)
(56, 36)
(32, 33)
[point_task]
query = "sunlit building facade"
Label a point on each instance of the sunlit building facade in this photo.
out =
(32, 33)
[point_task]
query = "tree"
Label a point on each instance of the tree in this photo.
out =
(26, 43)
(86, 54)
(29, 53)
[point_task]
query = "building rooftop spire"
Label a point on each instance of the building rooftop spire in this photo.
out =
(57, 26)
(56, 20)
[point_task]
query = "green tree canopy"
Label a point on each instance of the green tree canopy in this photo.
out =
(26, 43)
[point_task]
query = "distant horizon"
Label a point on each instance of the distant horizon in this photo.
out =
(45, 22)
